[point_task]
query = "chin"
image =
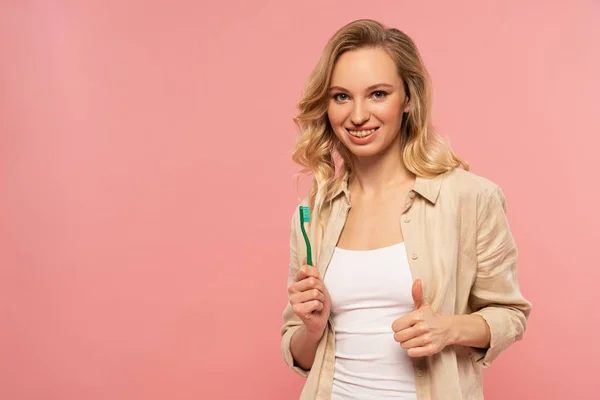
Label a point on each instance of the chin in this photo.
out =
(365, 151)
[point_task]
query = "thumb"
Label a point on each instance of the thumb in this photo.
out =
(417, 293)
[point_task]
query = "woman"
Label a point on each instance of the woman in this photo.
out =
(415, 286)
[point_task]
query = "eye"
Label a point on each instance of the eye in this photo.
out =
(379, 94)
(340, 97)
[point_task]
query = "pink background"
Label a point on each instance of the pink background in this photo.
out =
(147, 187)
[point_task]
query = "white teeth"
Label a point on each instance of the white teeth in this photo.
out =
(361, 134)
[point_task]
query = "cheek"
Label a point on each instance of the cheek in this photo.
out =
(390, 113)
(336, 116)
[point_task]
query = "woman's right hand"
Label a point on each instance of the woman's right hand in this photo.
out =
(310, 300)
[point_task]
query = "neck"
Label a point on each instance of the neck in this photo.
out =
(373, 175)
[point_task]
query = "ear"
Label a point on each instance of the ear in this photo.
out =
(407, 105)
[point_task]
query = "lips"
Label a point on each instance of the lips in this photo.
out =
(362, 133)
(363, 136)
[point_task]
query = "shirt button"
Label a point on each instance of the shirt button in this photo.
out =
(414, 256)
(406, 219)
(420, 372)
(411, 194)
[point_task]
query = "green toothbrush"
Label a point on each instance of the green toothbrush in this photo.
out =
(305, 217)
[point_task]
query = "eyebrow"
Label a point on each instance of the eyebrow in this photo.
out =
(377, 85)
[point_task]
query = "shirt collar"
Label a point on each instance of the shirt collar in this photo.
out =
(429, 188)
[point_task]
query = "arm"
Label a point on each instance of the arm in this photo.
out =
(298, 344)
(469, 330)
(500, 311)
(495, 295)
(303, 346)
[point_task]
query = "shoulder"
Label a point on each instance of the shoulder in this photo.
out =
(295, 220)
(326, 207)
(470, 187)
(459, 181)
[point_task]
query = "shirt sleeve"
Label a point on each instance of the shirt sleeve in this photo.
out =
(495, 294)
(291, 322)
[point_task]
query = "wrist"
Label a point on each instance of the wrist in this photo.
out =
(313, 334)
(452, 329)
(467, 330)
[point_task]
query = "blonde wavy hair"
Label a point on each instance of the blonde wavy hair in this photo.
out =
(319, 151)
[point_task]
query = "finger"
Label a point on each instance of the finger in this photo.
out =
(419, 341)
(423, 351)
(306, 272)
(306, 296)
(411, 333)
(308, 307)
(307, 284)
(406, 321)
(417, 293)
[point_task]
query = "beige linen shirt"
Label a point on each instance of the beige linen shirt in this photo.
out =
(459, 244)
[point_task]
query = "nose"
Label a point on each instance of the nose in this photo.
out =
(360, 114)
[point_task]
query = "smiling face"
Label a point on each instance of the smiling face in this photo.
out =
(366, 101)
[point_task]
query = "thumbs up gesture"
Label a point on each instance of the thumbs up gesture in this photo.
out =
(422, 332)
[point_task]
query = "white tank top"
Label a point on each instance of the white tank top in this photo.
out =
(369, 290)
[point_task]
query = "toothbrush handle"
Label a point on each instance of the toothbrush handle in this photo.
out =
(308, 248)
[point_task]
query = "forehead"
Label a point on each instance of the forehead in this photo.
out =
(362, 68)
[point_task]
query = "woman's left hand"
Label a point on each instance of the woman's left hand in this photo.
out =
(422, 332)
